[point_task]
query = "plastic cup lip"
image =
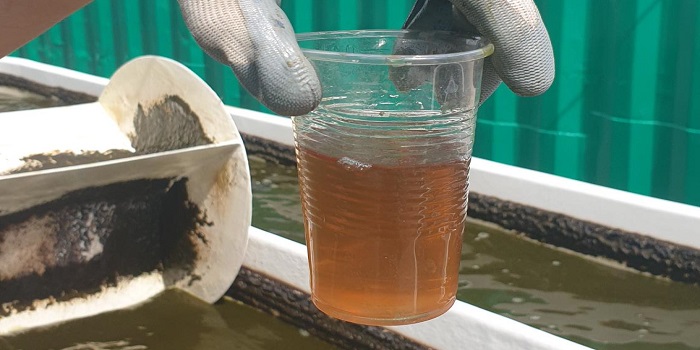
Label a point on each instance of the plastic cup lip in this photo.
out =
(484, 49)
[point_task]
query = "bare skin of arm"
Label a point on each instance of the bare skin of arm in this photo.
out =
(23, 20)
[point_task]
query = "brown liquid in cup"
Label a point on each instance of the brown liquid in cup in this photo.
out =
(384, 241)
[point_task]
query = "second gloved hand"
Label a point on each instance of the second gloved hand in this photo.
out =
(523, 56)
(255, 38)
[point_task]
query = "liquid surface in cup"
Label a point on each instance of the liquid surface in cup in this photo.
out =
(384, 241)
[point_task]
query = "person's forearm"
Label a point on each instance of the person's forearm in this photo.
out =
(23, 20)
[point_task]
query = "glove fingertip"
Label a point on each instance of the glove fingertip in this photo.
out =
(285, 95)
(293, 105)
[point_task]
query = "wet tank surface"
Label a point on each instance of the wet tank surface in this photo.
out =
(17, 94)
(591, 301)
(173, 320)
(17, 100)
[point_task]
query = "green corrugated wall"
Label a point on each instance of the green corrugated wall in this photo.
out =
(624, 110)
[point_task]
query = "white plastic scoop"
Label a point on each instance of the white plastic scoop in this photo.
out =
(104, 205)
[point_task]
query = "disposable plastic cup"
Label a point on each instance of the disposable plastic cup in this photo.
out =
(384, 167)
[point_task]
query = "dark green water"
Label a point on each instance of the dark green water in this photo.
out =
(173, 321)
(17, 100)
(589, 301)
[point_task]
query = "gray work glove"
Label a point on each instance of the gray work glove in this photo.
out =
(523, 56)
(255, 38)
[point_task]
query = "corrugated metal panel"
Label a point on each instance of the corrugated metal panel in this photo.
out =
(624, 111)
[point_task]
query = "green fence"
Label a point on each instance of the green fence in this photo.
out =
(624, 110)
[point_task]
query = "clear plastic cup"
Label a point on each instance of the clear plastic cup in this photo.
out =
(384, 168)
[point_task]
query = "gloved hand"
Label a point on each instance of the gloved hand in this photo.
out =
(255, 38)
(523, 56)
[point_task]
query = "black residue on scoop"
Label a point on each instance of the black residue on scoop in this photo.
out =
(45, 161)
(142, 226)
